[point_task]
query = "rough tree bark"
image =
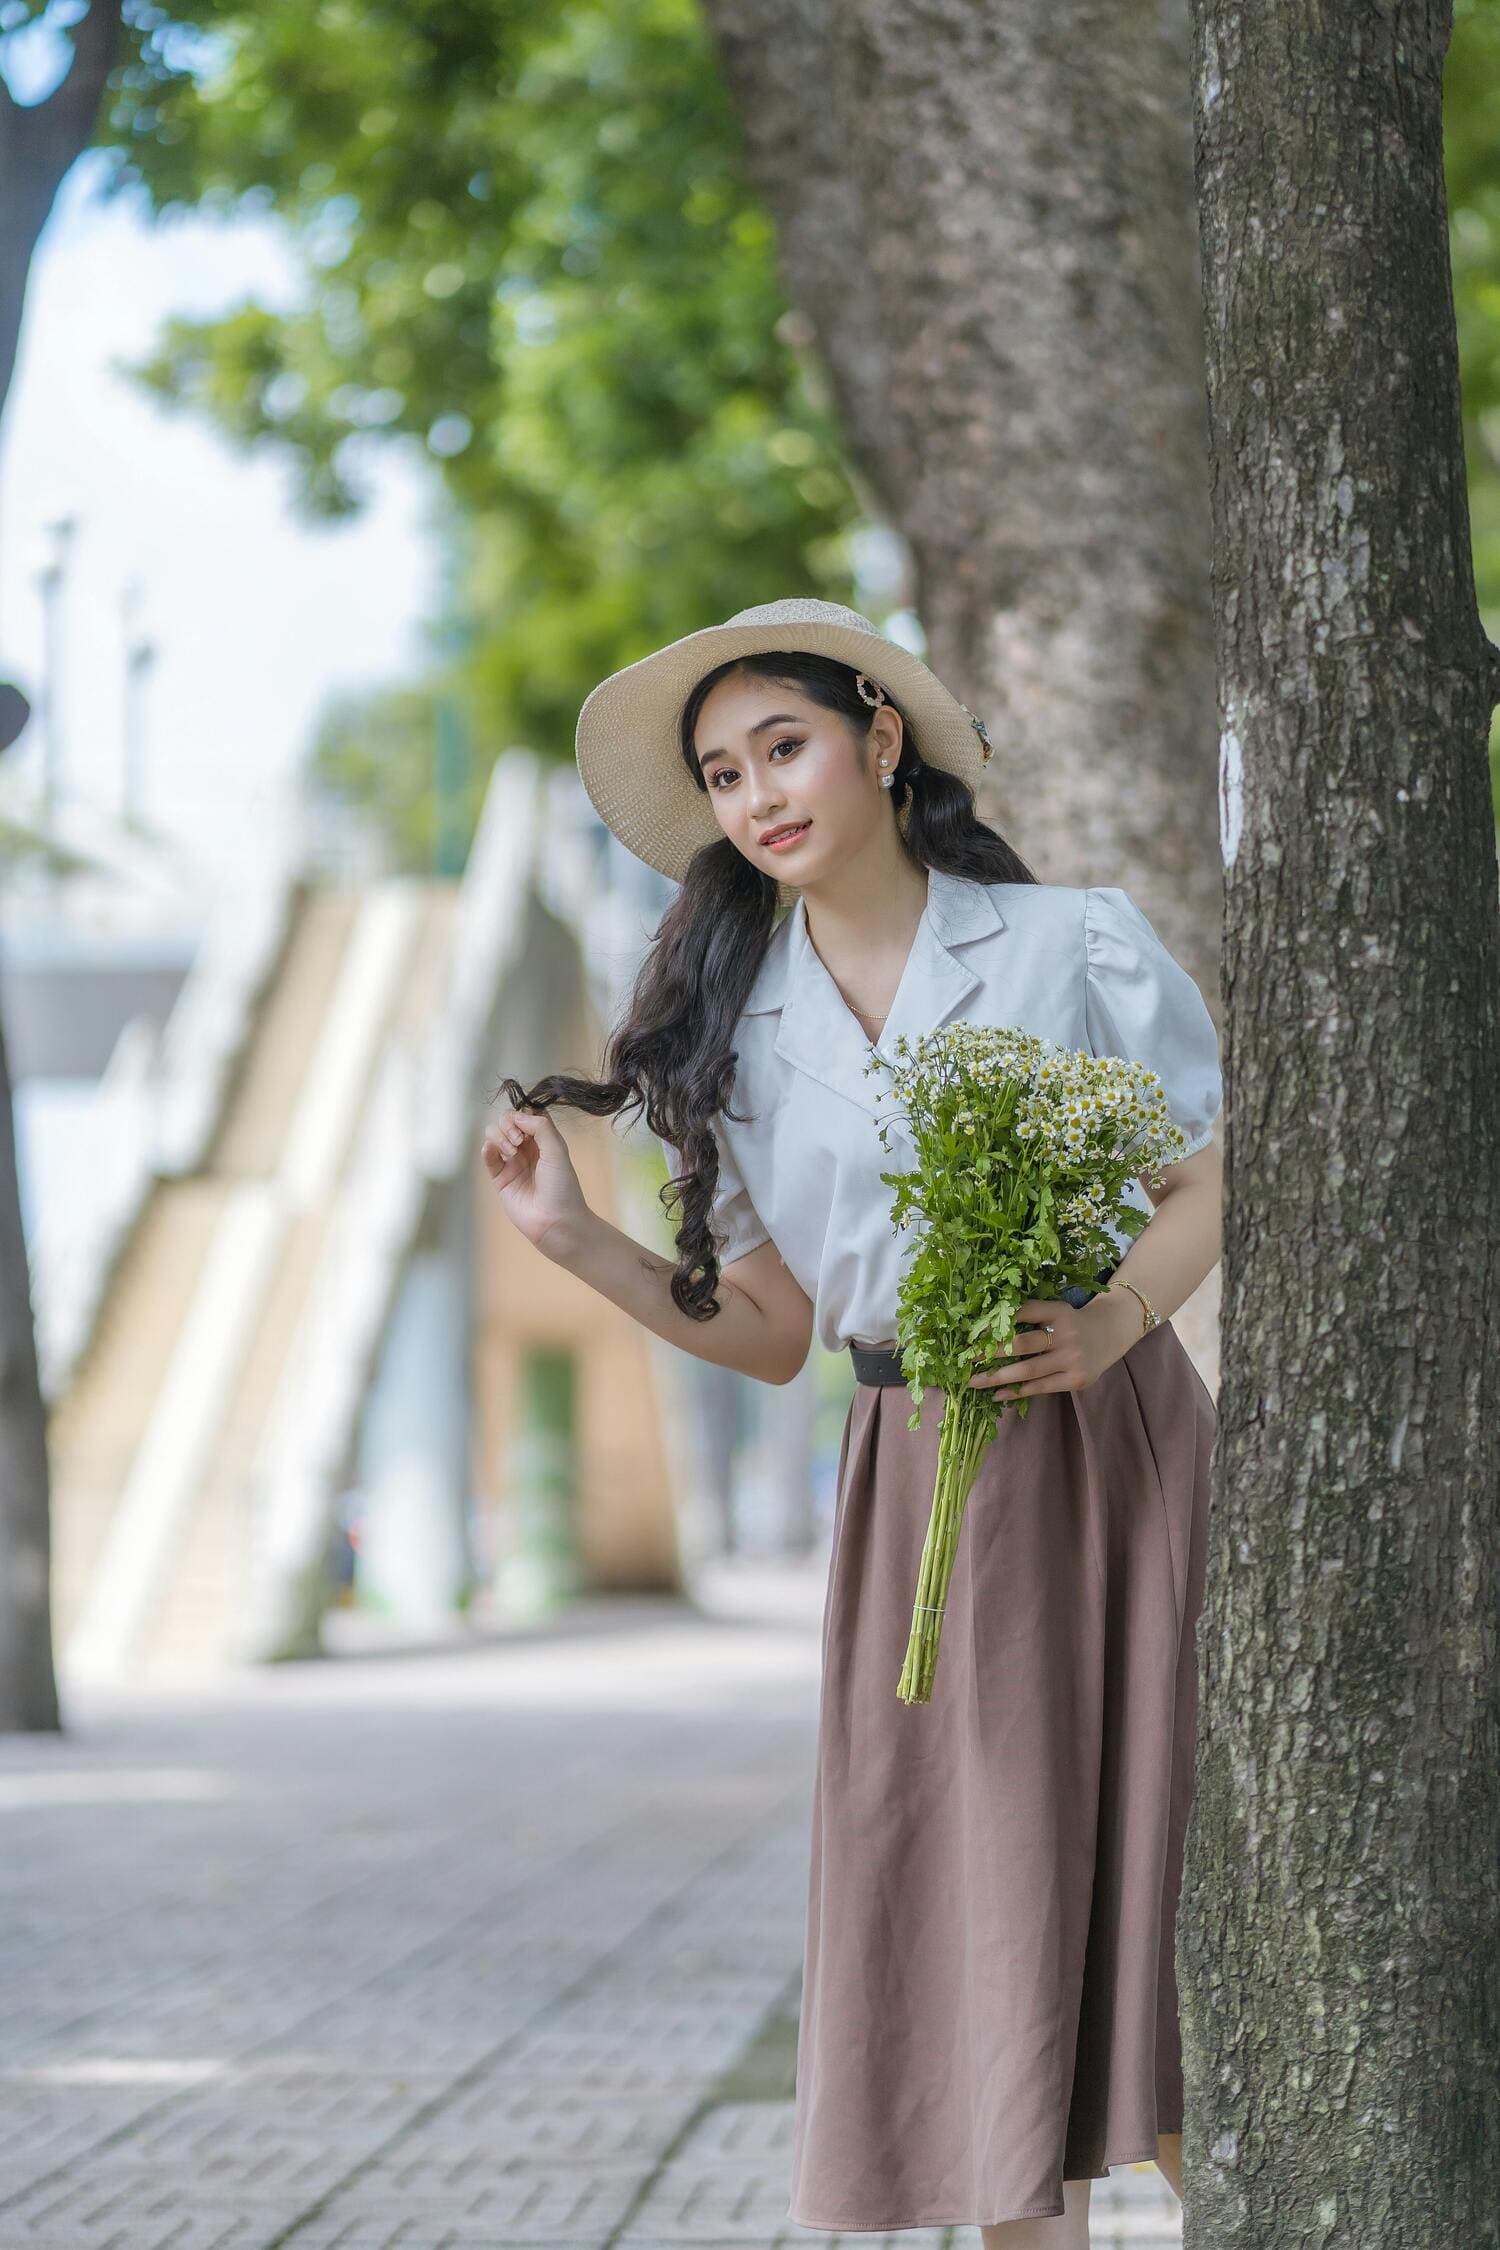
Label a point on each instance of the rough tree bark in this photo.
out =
(985, 219)
(1341, 1977)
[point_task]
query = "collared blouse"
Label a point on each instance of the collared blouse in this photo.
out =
(1079, 966)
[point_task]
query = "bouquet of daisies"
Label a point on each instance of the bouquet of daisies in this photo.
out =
(1023, 1151)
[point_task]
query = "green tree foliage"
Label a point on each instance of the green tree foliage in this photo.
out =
(527, 250)
(1471, 166)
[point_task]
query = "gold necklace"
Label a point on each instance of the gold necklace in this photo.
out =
(859, 1014)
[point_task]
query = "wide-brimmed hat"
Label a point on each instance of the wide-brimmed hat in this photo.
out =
(627, 743)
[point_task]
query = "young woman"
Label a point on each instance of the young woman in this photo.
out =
(989, 2006)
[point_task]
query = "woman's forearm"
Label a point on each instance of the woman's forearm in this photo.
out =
(1179, 1248)
(1176, 1251)
(636, 1279)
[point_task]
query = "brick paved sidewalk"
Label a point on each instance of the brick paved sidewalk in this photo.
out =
(482, 1947)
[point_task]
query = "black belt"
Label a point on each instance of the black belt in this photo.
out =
(871, 1365)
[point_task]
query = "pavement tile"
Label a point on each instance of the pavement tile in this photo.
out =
(395, 1953)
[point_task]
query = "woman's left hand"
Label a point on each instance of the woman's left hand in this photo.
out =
(1085, 1339)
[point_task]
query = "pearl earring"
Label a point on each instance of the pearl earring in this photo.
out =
(874, 694)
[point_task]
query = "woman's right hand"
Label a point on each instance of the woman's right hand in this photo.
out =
(527, 1158)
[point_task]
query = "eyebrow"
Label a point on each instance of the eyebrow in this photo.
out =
(776, 719)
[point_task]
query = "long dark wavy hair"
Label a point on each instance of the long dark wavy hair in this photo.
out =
(670, 1056)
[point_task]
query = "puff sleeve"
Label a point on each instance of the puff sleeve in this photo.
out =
(733, 1219)
(1141, 1003)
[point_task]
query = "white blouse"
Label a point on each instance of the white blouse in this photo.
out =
(1082, 967)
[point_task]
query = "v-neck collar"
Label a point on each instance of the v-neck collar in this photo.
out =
(819, 1033)
(814, 966)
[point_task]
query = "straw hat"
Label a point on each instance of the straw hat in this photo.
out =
(627, 742)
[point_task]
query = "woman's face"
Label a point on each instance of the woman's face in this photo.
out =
(771, 758)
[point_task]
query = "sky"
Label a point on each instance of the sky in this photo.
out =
(255, 614)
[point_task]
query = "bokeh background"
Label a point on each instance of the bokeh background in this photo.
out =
(386, 377)
(422, 1856)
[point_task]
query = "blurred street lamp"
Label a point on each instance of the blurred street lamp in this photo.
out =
(140, 656)
(52, 582)
(452, 755)
(450, 787)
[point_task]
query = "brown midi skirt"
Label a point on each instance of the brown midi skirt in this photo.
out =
(989, 1997)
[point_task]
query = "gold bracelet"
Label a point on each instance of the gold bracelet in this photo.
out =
(1149, 1317)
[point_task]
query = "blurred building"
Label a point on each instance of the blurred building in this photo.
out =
(291, 1344)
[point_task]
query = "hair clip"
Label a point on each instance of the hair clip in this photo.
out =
(874, 700)
(983, 732)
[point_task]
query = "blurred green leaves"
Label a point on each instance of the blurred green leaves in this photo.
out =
(1471, 165)
(527, 253)
(526, 250)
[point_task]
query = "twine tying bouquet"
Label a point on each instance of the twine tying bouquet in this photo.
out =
(1023, 1151)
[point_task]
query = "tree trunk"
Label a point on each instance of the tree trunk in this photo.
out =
(28, 1690)
(986, 220)
(38, 146)
(1341, 1978)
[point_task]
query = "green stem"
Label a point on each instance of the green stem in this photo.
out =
(967, 1427)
